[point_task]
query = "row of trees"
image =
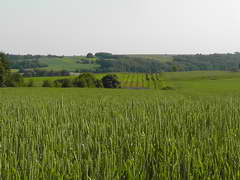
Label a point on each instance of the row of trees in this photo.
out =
(43, 73)
(131, 64)
(8, 79)
(227, 62)
(27, 64)
(121, 63)
(86, 80)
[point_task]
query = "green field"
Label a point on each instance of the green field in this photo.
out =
(70, 63)
(196, 82)
(67, 63)
(191, 132)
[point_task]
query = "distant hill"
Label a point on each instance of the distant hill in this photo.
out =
(161, 58)
(71, 63)
(145, 63)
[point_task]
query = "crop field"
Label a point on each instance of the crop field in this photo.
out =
(55, 133)
(196, 82)
(138, 132)
(128, 80)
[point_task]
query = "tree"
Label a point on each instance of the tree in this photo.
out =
(104, 55)
(30, 83)
(47, 83)
(14, 80)
(90, 55)
(4, 70)
(111, 81)
(85, 80)
(99, 83)
(66, 83)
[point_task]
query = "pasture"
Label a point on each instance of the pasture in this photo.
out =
(67, 63)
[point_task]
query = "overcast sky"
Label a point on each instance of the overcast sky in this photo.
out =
(73, 27)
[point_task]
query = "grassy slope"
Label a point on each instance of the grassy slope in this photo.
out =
(67, 63)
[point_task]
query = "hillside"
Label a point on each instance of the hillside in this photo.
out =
(161, 58)
(71, 63)
(141, 63)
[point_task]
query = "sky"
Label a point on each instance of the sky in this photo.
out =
(76, 27)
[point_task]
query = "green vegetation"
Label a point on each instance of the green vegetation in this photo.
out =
(117, 134)
(176, 125)
(107, 62)
(7, 78)
(161, 58)
(67, 63)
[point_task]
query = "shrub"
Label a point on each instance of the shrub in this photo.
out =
(15, 80)
(30, 83)
(47, 83)
(99, 84)
(90, 55)
(85, 80)
(111, 81)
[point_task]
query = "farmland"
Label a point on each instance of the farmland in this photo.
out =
(189, 132)
(196, 82)
(55, 133)
(68, 63)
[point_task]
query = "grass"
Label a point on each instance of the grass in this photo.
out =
(200, 75)
(67, 63)
(191, 132)
(49, 133)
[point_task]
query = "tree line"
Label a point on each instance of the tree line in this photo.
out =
(124, 63)
(108, 62)
(43, 73)
(86, 80)
(9, 79)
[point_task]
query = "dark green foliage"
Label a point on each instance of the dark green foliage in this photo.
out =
(104, 55)
(25, 64)
(130, 64)
(4, 70)
(111, 81)
(90, 55)
(208, 62)
(85, 80)
(14, 80)
(47, 83)
(99, 83)
(63, 83)
(167, 88)
(30, 83)
(44, 73)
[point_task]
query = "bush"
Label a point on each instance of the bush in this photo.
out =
(47, 83)
(15, 80)
(90, 55)
(85, 80)
(111, 81)
(99, 84)
(67, 83)
(30, 83)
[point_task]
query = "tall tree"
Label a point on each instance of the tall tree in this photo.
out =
(4, 70)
